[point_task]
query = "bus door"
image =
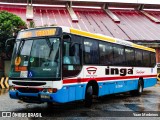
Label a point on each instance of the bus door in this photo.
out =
(72, 65)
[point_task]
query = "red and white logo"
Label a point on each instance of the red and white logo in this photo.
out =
(91, 70)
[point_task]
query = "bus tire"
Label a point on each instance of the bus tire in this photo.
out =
(89, 96)
(139, 91)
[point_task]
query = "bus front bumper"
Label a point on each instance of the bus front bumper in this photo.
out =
(31, 97)
(39, 97)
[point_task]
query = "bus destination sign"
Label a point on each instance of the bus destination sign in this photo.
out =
(37, 33)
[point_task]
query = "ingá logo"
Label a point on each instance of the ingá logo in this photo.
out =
(91, 70)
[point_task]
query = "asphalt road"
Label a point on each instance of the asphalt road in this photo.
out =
(120, 106)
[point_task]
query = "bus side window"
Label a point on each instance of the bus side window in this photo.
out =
(91, 55)
(119, 56)
(71, 59)
(66, 57)
(71, 53)
(153, 59)
(146, 59)
(129, 52)
(138, 57)
(106, 53)
(75, 55)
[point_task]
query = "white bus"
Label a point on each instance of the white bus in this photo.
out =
(62, 64)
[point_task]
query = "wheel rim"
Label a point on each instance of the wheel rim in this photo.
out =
(140, 88)
(90, 90)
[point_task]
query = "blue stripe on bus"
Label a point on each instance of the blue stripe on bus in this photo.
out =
(70, 93)
(77, 92)
(150, 82)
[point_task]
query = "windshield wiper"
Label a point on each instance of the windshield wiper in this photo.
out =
(20, 47)
(51, 49)
(50, 46)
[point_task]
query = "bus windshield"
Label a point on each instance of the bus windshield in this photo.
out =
(36, 58)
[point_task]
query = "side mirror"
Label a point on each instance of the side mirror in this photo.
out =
(9, 46)
(10, 41)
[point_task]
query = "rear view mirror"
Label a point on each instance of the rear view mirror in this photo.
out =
(9, 46)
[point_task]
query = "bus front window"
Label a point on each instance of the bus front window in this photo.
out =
(42, 58)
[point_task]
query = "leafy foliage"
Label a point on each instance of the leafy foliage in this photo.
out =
(32, 24)
(10, 24)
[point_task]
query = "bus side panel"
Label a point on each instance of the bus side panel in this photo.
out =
(103, 89)
(69, 93)
(148, 82)
(117, 87)
(72, 93)
(131, 85)
(76, 92)
(111, 87)
(61, 96)
(80, 92)
(120, 86)
(106, 88)
(124, 86)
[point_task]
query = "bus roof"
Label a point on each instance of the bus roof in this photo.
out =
(98, 37)
(106, 38)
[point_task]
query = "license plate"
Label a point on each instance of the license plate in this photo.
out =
(45, 96)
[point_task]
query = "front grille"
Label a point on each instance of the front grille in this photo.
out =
(28, 90)
(29, 83)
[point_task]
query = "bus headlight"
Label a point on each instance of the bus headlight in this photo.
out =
(52, 90)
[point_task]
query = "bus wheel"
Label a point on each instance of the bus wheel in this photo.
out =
(88, 96)
(139, 91)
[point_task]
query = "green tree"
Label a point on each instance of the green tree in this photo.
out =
(10, 24)
(32, 24)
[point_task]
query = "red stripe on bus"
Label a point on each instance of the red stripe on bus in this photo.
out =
(67, 81)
